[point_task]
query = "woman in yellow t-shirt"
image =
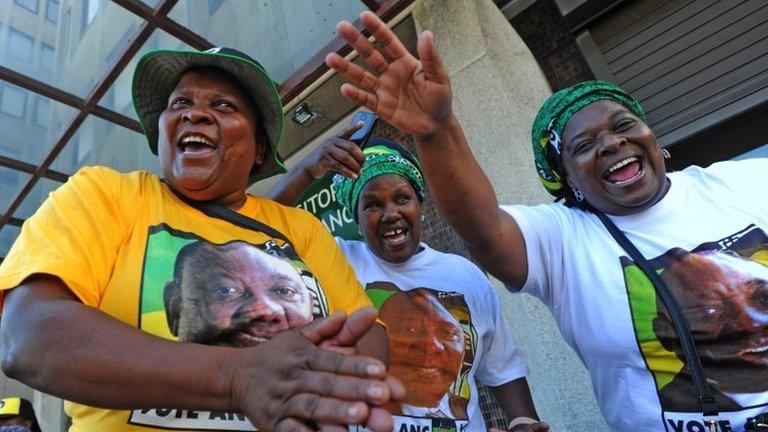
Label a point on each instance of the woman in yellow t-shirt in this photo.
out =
(116, 274)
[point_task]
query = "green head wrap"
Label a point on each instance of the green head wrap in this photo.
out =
(554, 115)
(382, 157)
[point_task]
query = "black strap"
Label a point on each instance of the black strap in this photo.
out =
(218, 211)
(706, 400)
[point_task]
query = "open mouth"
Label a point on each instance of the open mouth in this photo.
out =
(395, 236)
(195, 144)
(624, 171)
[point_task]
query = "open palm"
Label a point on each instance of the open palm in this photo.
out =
(411, 94)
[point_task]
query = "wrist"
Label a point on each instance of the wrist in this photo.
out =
(439, 136)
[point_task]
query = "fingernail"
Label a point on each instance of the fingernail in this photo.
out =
(353, 411)
(375, 392)
(354, 176)
(374, 369)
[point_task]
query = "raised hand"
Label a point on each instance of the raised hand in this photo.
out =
(411, 94)
(336, 154)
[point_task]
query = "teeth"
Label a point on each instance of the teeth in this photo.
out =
(196, 139)
(393, 232)
(621, 163)
(253, 338)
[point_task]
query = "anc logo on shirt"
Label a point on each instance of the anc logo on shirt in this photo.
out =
(722, 288)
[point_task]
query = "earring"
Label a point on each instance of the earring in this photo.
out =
(577, 193)
(423, 218)
(665, 153)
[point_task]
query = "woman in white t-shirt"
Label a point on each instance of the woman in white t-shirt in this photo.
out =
(444, 323)
(702, 230)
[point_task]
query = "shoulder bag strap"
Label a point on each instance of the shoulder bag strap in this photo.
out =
(706, 400)
(218, 211)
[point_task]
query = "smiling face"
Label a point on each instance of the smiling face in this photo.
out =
(725, 301)
(426, 345)
(237, 295)
(208, 137)
(389, 216)
(613, 158)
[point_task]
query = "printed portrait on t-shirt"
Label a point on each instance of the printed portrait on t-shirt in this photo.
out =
(722, 289)
(431, 346)
(233, 294)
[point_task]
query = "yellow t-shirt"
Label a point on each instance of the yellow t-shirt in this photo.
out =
(126, 245)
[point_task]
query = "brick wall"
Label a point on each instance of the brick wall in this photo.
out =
(549, 37)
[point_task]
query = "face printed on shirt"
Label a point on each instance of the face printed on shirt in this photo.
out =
(725, 301)
(721, 287)
(426, 345)
(234, 295)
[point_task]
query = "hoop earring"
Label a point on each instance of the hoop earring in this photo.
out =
(577, 193)
(665, 153)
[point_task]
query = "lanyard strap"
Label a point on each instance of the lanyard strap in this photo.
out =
(706, 400)
(218, 211)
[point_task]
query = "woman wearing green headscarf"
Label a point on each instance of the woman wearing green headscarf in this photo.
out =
(444, 323)
(702, 230)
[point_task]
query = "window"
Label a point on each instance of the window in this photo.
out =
(14, 101)
(20, 44)
(52, 11)
(42, 111)
(213, 6)
(90, 9)
(47, 57)
(30, 5)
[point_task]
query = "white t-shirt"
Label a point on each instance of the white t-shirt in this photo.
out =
(707, 236)
(490, 353)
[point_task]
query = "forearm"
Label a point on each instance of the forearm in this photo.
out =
(70, 350)
(458, 185)
(291, 186)
(515, 400)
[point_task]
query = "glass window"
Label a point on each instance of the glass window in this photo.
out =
(99, 142)
(281, 35)
(20, 44)
(79, 61)
(11, 182)
(42, 111)
(29, 141)
(36, 196)
(8, 235)
(30, 5)
(14, 101)
(47, 57)
(52, 11)
(90, 9)
(213, 6)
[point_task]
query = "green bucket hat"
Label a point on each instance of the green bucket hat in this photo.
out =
(158, 72)
(554, 114)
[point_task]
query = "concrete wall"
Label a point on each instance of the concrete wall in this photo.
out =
(497, 90)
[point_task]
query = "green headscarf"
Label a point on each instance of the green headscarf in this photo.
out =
(554, 115)
(382, 157)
